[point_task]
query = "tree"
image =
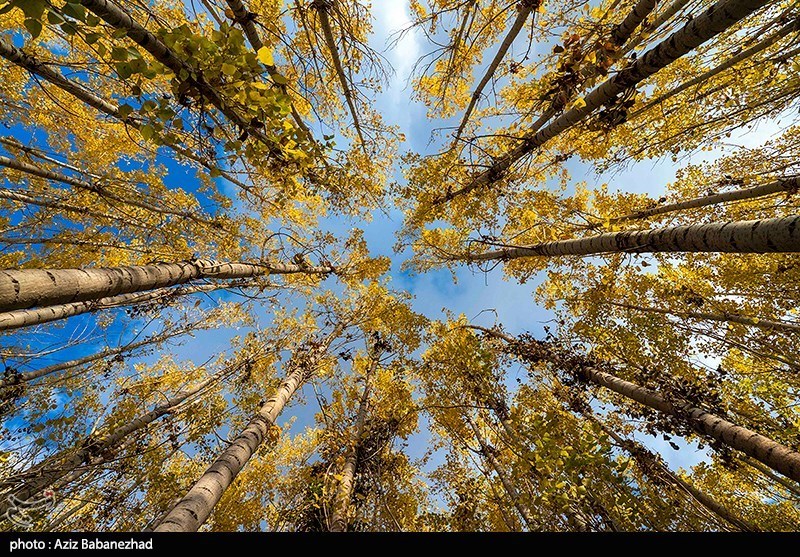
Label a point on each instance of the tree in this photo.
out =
(200, 331)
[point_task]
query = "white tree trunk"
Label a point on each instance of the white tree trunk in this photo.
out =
(781, 235)
(700, 29)
(53, 469)
(508, 485)
(27, 288)
(790, 184)
(198, 503)
(344, 492)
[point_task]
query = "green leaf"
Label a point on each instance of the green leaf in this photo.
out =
(147, 131)
(228, 69)
(76, 11)
(166, 114)
(279, 79)
(119, 54)
(34, 27)
(125, 110)
(68, 28)
(138, 65)
(91, 38)
(124, 70)
(33, 9)
(54, 17)
(119, 33)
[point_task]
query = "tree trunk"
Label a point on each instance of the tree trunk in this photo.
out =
(121, 20)
(196, 506)
(322, 7)
(700, 29)
(524, 10)
(792, 488)
(28, 62)
(624, 30)
(781, 235)
(54, 468)
(54, 524)
(662, 18)
(637, 451)
(40, 315)
(727, 64)
(789, 185)
(344, 493)
(28, 376)
(508, 485)
(773, 454)
(247, 20)
(574, 515)
(25, 288)
(724, 317)
(16, 56)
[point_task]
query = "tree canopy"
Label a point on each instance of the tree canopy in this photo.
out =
(228, 228)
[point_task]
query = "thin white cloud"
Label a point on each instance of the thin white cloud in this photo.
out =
(392, 16)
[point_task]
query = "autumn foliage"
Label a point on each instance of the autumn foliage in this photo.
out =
(181, 173)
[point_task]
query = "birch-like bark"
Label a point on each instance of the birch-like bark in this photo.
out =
(53, 469)
(28, 376)
(763, 44)
(778, 235)
(699, 30)
(322, 7)
(621, 32)
(344, 493)
(775, 455)
(788, 185)
(771, 453)
(624, 30)
(791, 487)
(245, 18)
(724, 317)
(524, 10)
(508, 485)
(119, 19)
(656, 24)
(16, 319)
(637, 451)
(198, 503)
(448, 74)
(26, 288)
(574, 515)
(31, 64)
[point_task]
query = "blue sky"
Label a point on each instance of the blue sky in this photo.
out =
(484, 297)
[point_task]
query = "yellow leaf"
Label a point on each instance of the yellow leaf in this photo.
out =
(265, 56)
